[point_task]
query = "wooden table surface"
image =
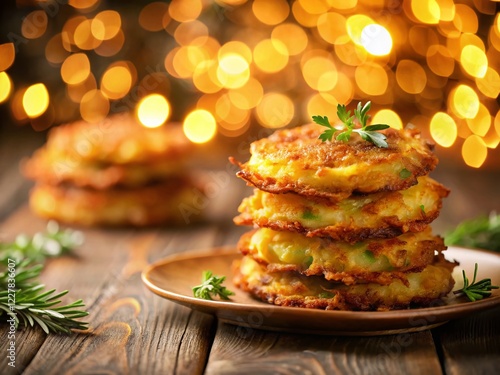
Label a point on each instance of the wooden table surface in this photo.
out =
(133, 331)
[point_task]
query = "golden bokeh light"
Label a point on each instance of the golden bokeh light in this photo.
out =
(192, 33)
(270, 55)
(489, 85)
(480, 124)
(474, 61)
(76, 92)
(371, 78)
(199, 126)
(275, 110)
(465, 19)
(263, 64)
(247, 96)
(7, 55)
(106, 25)
(75, 68)
(292, 36)
(151, 17)
(233, 71)
(389, 117)
(270, 12)
(323, 103)
(440, 61)
(83, 4)
(411, 76)
(205, 77)
(153, 110)
(35, 100)
(94, 106)
(302, 16)
(185, 10)
(355, 26)
(116, 82)
(376, 40)
(464, 102)
(111, 46)
(332, 27)
(55, 51)
(443, 129)
(474, 151)
(5, 86)
(426, 11)
(83, 37)
(320, 73)
(34, 24)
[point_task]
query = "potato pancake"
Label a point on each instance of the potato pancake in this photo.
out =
(379, 215)
(42, 168)
(115, 152)
(296, 290)
(295, 160)
(377, 261)
(150, 205)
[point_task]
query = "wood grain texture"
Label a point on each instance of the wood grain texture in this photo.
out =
(471, 345)
(239, 350)
(132, 330)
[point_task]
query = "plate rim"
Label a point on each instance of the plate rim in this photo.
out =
(213, 306)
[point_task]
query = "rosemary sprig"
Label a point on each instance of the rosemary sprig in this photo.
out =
(482, 232)
(51, 243)
(367, 132)
(22, 298)
(475, 291)
(211, 286)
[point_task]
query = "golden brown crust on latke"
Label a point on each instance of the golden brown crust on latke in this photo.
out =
(295, 290)
(379, 215)
(45, 168)
(145, 206)
(295, 160)
(118, 139)
(377, 261)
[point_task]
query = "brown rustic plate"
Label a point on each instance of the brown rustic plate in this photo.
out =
(173, 278)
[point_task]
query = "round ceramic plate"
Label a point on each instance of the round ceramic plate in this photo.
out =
(174, 277)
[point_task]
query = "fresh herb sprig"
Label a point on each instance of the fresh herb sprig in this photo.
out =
(211, 286)
(367, 132)
(475, 291)
(482, 232)
(22, 297)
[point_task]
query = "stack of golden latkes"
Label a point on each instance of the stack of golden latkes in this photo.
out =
(342, 225)
(115, 172)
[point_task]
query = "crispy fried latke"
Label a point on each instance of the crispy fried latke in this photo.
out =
(117, 151)
(295, 160)
(295, 290)
(377, 261)
(379, 215)
(149, 205)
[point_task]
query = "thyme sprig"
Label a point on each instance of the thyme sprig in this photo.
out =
(367, 132)
(211, 286)
(476, 290)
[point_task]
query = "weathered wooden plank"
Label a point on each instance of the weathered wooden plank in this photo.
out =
(239, 350)
(131, 329)
(471, 345)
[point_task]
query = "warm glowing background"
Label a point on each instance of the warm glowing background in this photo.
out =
(228, 67)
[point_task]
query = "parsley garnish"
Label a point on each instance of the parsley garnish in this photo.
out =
(367, 132)
(475, 291)
(211, 286)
